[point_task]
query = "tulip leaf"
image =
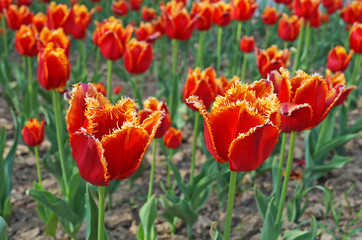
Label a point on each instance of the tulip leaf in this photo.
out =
(51, 225)
(148, 215)
(214, 233)
(4, 231)
(178, 178)
(269, 232)
(302, 235)
(262, 203)
(334, 143)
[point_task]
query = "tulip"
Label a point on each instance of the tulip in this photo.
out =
(271, 59)
(137, 56)
(79, 22)
(24, 2)
(33, 132)
(5, 4)
(289, 27)
(352, 13)
(15, 17)
(338, 59)
(25, 42)
(179, 24)
(53, 67)
(243, 10)
(222, 13)
(120, 8)
(285, 2)
(147, 32)
(148, 14)
(117, 90)
(355, 38)
(108, 141)
(57, 37)
(247, 44)
(203, 12)
(317, 21)
(39, 21)
(159, 25)
(332, 5)
(270, 16)
(100, 88)
(135, 4)
(58, 16)
(307, 9)
(172, 138)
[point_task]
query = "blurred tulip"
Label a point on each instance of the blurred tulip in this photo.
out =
(146, 32)
(79, 22)
(152, 105)
(305, 99)
(43, 1)
(135, 5)
(270, 16)
(307, 9)
(120, 8)
(24, 2)
(271, 59)
(53, 67)
(241, 128)
(100, 88)
(98, 9)
(58, 15)
(201, 84)
(202, 12)
(96, 1)
(39, 21)
(57, 37)
(33, 132)
(117, 90)
(108, 141)
(172, 138)
(5, 4)
(159, 25)
(352, 13)
(15, 17)
(148, 14)
(25, 42)
(179, 24)
(317, 21)
(332, 5)
(137, 56)
(338, 59)
(288, 28)
(222, 13)
(247, 44)
(243, 10)
(355, 38)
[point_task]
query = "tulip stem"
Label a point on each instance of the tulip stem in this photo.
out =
(80, 60)
(152, 174)
(219, 38)
(97, 64)
(173, 97)
(169, 169)
(200, 49)
(5, 37)
(238, 37)
(194, 144)
(136, 91)
(109, 79)
(356, 68)
(57, 113)
(280, 167)
(243, 67)
(101, 192)
(285, 44)
(286, 180)
(307, 41)
(30, 86)
(229, 209)
(267, 33)
(38, 165)
(299, 44)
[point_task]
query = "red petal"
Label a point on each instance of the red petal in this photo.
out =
(295, 117)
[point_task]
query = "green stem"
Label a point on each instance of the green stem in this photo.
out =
(57, 113)
(286, 180)
(96, 64)
(285, 44)
(238, 37)
(38, 165)
(307, 41)
(229, 209)
(174, 93)
(200, 49)
(194, 144)
(189, 231)
(280, 167)
(136, 91)
(109, 79)
(323, 129)
(169, 169)
(299, 44)
(30, 86)
(101, 192)
(5, 40)
(80, 60)
(356, 68)
(218, 60)
(142, 87)
(152, 174)
(266, 40)
(243, 67)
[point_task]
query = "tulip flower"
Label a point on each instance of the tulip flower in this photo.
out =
(117, 90)
(159, 25)
(352, 13)
(15, 17)
(285, 2)
(100, 88)
(39, 21)
(58, 16)
(80, 21)
(203, 12)
(247, 44)
(147, 32)
(25, 42)
(271, 59)
(317, 21)
(270, 16)
(307, 9)
(5, 4)
(338, 59)
(222, 13)
(148, 14)
(289, 27)
(179, 24)
(137, 56)
(120, 8)
(243, 10)
(53, 67)
(33, 132)
(135, 5)
(172, 138)
(355, 38)
(24, 2)
(332, 5)
(108, 141)
(57, 37)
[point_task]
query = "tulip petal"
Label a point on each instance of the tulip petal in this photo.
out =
(250, 150)
(295, 117)
(111, 46)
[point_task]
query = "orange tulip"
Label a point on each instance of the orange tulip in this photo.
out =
(100, 88)
(242, 127)
(57, 37)
(4, 4)
(108, 141)
(203, 12)
(148, 14)
(152, 105)
(355, 38)
(79, 22)
(307, 9)
(111, 38)
(305, 99)
(146, 32)
(25, 42)
(243, 10)
(53, 67)
(39, 21)
(352, 13)
(337, 81)
(58, 15)
(172, 138)
(247, 44)
(137, 56)
(120, 8)
(270, 16)
(288, 28)
(201, 84)
(271, 59)
(33, 132)
(222, 14)
(332, 5)
(15, 17)
(135, 4)
(338, 59)
(179, 24)
(159, 25)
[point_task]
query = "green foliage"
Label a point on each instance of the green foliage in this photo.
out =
(148, 215)
(302, 235)
(3, 229)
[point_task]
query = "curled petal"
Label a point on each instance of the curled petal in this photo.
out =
(295, 117)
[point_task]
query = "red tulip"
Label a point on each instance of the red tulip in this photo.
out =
(241, 128)
(79, 22)
(222, 14)
(108, 141)
(270, 16)
(148, 14)
(5, 4)
(172, 138)
(307, 9)
(33, 132)
(58, 15)
(57, 37)
(39, 21)
(117, 90)
(288, 28)
(247, 44)
(355, 38)
(243, 10)
(100, 88)
(25, 42)
(203, 13)
(332, 5)
(338, 59)
(15, 17)
(271, 59)
(159, 25)
(146, 32)
(135, 4)
(24, 2)
(352, 13)
(137, 56)
(120, 8)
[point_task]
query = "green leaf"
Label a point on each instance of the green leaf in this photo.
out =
(263, 202)
(3, 229)
(148, 215)
(214, 233)
(269, 232)
(302, 235)
(334, 143)
(178, 178)
(51, 225)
